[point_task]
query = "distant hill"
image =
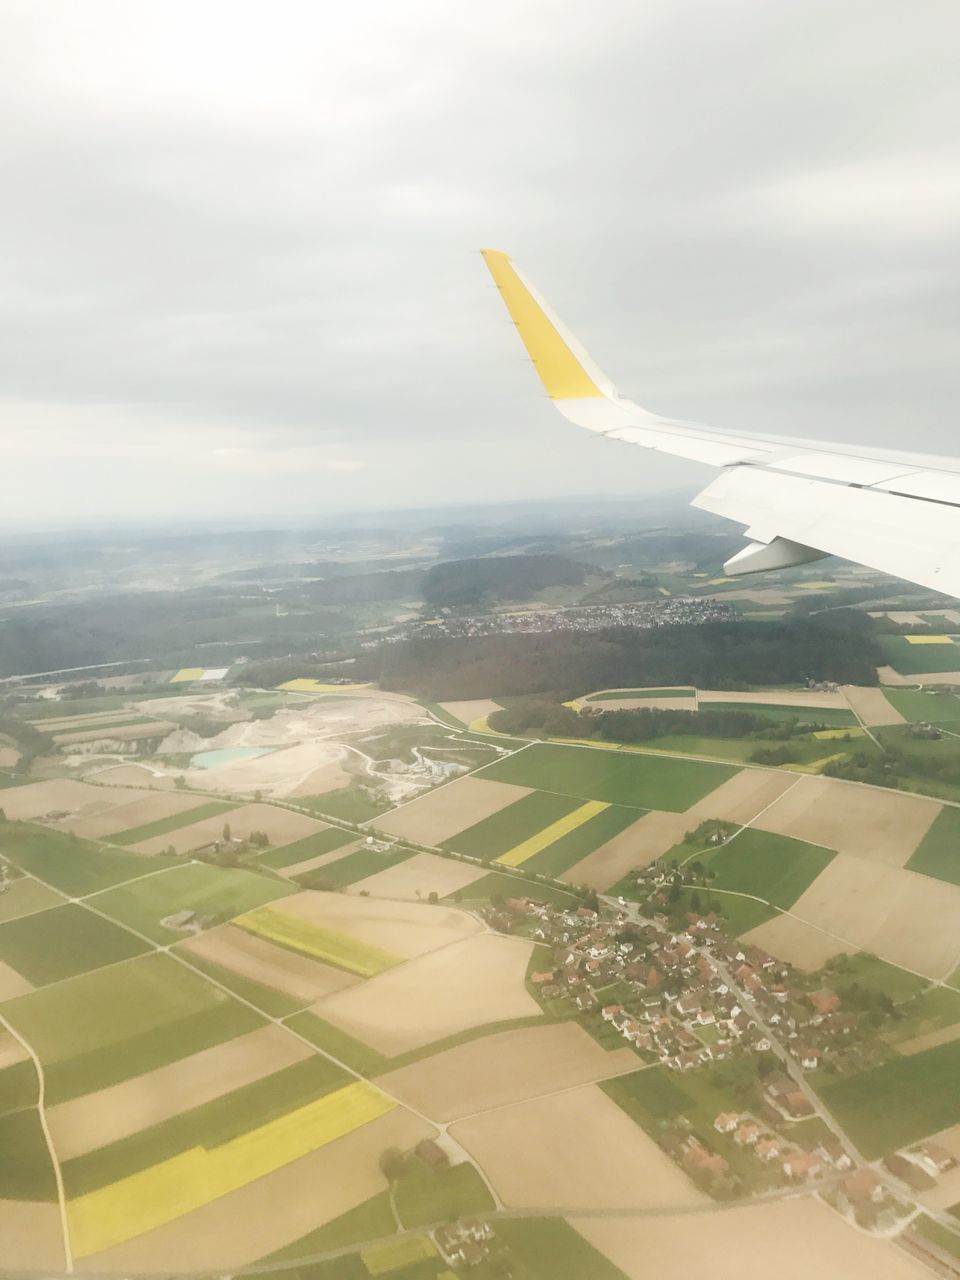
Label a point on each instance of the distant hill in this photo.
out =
(472, 584)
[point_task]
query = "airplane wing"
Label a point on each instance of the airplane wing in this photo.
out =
(800, 500)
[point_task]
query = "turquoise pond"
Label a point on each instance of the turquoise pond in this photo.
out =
(226, 755)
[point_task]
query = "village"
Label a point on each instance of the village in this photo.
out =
(689, 999)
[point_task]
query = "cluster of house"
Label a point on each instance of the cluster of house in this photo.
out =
(465, 1243)
(666, 613)
(675, 1002)
(774, 1150)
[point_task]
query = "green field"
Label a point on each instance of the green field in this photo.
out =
(899, 1102)
(220, 892)
(19, 1086)
(133, 835)
(936, 1233)
(63, 942)
(911, 659)
(216, 1122)
(775, 868)
(550, 1249)
(424, 1195)
(641, 695)
(355, 866)
(569, 849)
(274, 1003)
(330, 1039)
(72, 865)
(25, 1169)
(931, 1011)
(513, 887)
(917, 705)
(643, 781)
(938, 853)
(109, 1025)
(309, 847)
(511, 826)
(23, 896)
(830, 717)
(740, 914)
(868, 970)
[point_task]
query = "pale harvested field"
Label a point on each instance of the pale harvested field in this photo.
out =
(124, 733)
(800, 944)
(243, 1226)
(739, 799)
(787, 1239)
(11, 1050)
(887, 675)
(321, 860)
(882, 826)
(871, 706)
(474, 982)
(776, 697)
(641, 704)
(908, 919)
(928, 677)
(319, 781)
(281, 826)
(920, 1044)
(574, 1149)
(505, 1068)
(248, 956)
(405, 928)
(143, 807)
(30, 1236)
(476, 709)
(60, 795)
(8, 756)
(450, 809)
(12, 983)
(135, 775)
(97, 1119)
(419, 876)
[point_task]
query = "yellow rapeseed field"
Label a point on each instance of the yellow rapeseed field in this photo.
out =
(381, 1258)
(521, 852)
(319, 942)
(303, 685)
(154, 1196)
(928, 640)
(186, 675)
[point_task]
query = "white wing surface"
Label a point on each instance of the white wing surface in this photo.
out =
(800, 500)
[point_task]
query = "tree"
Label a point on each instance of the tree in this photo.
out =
(3, 816)
(392, 1163)
(226, 833)
(695, 901)
(433, 897)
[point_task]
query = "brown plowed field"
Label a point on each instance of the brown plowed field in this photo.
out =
(30, 1236)
(800, 944)
(98, 1119)
(507, 1067)
(776, 697)
(143, 807)
(403, 928)
(419, 876)
(467, 712)
(448, 810)
(60, 795)
(321, 860)
(261, 961)
(872, 823)
(787, 1239)
(908, 919)
(871, 706)
(281, 825)
(471, 983)
(576, 1148)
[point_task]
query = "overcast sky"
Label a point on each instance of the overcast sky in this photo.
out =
(239, 242)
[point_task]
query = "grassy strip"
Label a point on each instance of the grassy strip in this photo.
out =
(309, 847)
(629, 778)
(640, 695)
(25, 896)
(550, 1249)
(918, 705)
(931, 1011)
(899, 1102)
(49, 946)
(345, 1048)
(19, 1086)
(355, 866)
(517, 822)
(72, 865)
(829, 717)
(512, 886)
(210, 1125)
(133, 835)
(913, 659)
(25, 1169)
(938, 853)
(217, 892)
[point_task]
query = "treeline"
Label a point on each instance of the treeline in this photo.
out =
(29, 741)
(472, 584)
(896, 767)
(836, 646)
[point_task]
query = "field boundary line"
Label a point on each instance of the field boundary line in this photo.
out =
(48, 1137)
(423, 795)
(147, 875)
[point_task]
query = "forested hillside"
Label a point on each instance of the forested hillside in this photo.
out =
(473, 584)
